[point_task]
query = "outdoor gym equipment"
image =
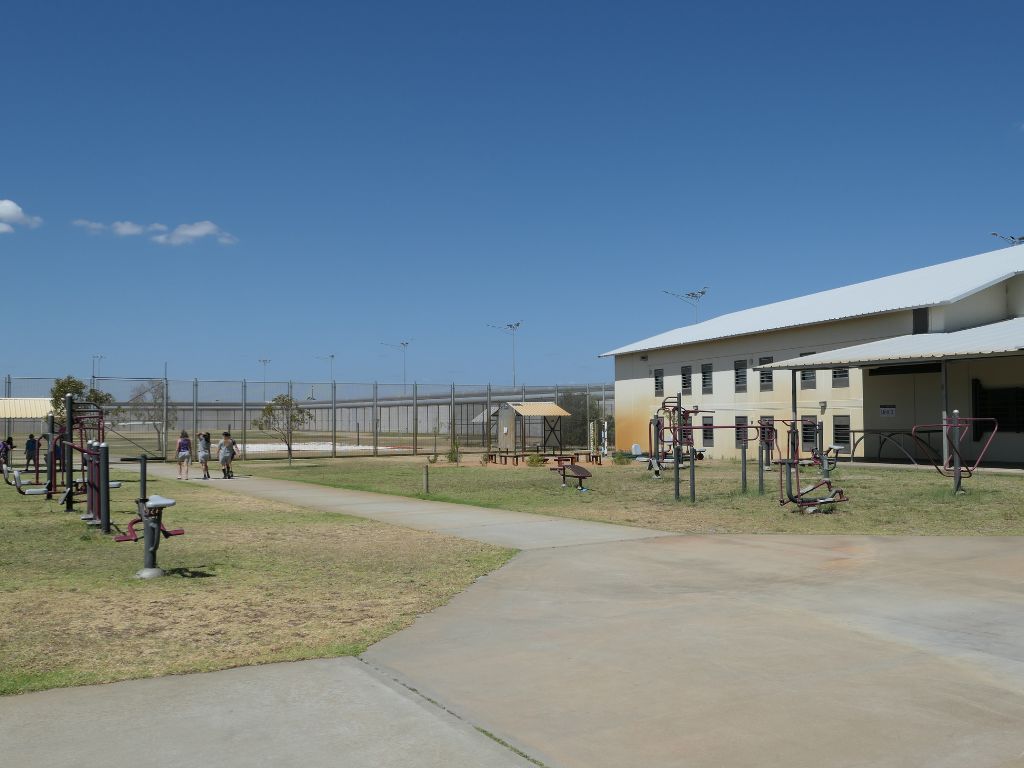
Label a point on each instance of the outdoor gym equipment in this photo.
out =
(794, 492)
(21, 487)
(953, 430)
(575, 471)
(150, 517)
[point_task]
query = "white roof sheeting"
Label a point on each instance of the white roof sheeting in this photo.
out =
(1003, 338)
(925, 287)
(25, 407)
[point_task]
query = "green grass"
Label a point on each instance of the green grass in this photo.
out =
(895, 500)
(251, 582)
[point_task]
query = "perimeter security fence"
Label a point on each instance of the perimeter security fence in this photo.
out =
(344, 419)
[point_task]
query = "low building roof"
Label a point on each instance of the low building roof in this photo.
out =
(25, 407)
(926, 287)
(1002, 338)
(539, 409)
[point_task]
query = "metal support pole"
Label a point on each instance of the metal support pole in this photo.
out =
(945, 412)
(677, 453)
(104, 482)
(760, 464)
(426, 479)
(69, 460)
(415, 418)
(693, 474)
(245, 417)
(375, 417)
(957, 469)
(334, 419)
(819, 438)
(743, 464)
(7, 393)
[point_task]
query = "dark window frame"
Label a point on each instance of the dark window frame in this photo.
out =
(808, 379)
(920, 320)
(686, 379)
(707, 378)
(840, 377)
(659, 382)
(739, 375)
(742, 434)
(808, 432)
(838, 425)
(767, 378)
(707, 436)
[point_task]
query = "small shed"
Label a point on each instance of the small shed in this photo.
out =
(515, 421)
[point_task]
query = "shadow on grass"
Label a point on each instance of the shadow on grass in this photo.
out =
(190, 573)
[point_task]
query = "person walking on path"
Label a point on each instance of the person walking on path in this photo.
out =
(226, 453)
(31, 452)
(184, 453)
(203, 452)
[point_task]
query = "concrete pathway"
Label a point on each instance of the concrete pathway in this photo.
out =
(334, 712)
(519, 530)
(735, 651)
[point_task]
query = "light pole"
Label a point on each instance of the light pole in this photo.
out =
(331, 358)
(265, 362)
(692, 298)
(97, 361)
(510, 328)
(404, 346)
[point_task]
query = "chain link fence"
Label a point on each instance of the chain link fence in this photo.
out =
(146, 415)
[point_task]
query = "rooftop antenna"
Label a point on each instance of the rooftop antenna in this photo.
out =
(1011, 239)
(692, 298)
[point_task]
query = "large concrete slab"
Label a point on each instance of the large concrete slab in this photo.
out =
(738, 651)
(333, 713)
(519, 530)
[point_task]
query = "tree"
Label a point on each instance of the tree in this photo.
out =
(146, 404)
(281, 417)
(69, 385)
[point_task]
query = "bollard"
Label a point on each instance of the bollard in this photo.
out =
(426, 479)
(104, 482)
(69, 469)
(760, 467)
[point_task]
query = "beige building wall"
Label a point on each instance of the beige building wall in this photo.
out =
(635, 399)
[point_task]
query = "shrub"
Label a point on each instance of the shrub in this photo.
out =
(535, 460)
(453, 452)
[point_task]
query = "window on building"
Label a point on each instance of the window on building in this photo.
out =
(766, 376)
(768, 423)
(808, 379)
(706, 371)
(708, 435)
(921, 320)
(742, 435)
(739, 374)
(841, 432)
(840, 377)
(659, 382)
(808, 433)
(686, 379)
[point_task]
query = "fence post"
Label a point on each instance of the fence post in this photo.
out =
(334, 419)
(167, 398)
(957, 469)
(426, 479)
(195, 414)
(415, 418)
(487, 420)
(375, 416)
(245, 419)
(452, 439)
(7, 393)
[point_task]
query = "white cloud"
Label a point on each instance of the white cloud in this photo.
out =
(126, 228)
(157, 227)
(188, 233)
(93, 227)
(11, 214)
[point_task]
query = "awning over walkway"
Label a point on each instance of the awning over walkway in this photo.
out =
(1002, 338)
(539, 409)
(25, 407)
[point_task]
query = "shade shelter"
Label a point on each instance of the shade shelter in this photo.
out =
(518, 420)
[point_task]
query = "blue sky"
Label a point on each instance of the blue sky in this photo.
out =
(293, 180)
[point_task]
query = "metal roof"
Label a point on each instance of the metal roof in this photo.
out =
(25, 407)
(1003, 338)
(926, 287)
(485, 415)
(539, 409)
